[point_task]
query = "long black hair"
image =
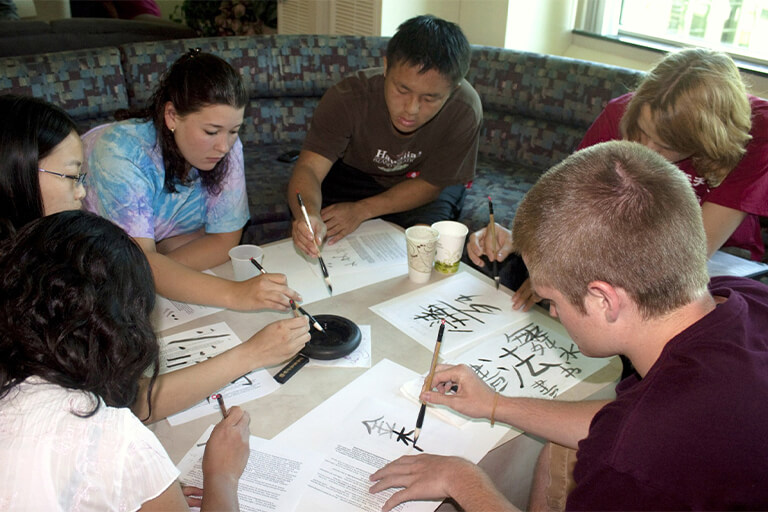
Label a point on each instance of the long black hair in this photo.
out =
(77, 293)
(29, 130)
(194, 81)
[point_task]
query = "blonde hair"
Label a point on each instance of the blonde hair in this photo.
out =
(699, 106)
(616, 212)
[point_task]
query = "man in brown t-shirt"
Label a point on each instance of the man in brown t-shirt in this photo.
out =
(398, 142)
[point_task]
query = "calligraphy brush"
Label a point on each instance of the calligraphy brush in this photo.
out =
(428, 382)
(493, 237)
(315, 323)
(314, 240)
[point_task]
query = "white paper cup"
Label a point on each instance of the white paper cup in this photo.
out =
(450, 245)
(241, 261)
(421, 242)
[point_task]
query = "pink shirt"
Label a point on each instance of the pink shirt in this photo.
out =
(744, 189)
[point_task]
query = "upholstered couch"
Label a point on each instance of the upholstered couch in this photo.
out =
(536, 107)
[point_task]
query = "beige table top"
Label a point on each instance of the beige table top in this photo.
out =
(313, 385)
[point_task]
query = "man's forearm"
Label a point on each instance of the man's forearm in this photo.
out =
(565, 423)
(402, 197)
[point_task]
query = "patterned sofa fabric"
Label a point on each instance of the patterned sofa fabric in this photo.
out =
(88, 84)
(536, 107)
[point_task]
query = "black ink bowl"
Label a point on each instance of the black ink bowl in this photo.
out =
(341, 338)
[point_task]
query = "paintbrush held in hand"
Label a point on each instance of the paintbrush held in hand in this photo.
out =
(314, 240)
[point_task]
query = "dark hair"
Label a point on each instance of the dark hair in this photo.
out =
(194, 81)
(29, 130)
(77, 293)
(431, 43)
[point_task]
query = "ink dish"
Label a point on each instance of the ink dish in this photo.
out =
(341, 338)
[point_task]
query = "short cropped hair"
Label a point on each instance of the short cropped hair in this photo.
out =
(699, 105)
(431, 43)
(616, 212)
(77, 293)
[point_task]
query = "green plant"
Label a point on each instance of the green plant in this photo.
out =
(227, 17)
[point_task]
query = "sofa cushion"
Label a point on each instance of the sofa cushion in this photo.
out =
(309, 65)
(88, 84)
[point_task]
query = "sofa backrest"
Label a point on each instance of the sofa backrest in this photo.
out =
(285, 75)
(537, 107)
(88, 84)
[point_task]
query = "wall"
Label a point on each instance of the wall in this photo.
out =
(598, 50)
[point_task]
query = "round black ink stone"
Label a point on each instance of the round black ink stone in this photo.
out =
(341, 337)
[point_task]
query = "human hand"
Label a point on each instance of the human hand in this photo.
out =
(342, 219)
(278, 341)
(525, 297)
(193, 495)
(461, 389)
(481, 244)
(424, 477)
(302, 238)
(226, 453)
(269, 291)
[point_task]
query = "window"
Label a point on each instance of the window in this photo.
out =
(738, 27)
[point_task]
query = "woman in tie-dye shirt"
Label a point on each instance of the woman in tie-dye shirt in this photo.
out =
(172, 177)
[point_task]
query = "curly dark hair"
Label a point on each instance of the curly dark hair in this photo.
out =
(77, 293)
(194, 81)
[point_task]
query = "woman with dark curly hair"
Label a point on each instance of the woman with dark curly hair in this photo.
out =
(172, 177)
(75, 338)
(40, 157)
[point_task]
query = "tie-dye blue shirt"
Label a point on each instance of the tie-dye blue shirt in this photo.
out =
(125, 184)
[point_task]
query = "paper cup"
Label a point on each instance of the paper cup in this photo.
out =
(450, 245)
(241, 261)
(421, 242)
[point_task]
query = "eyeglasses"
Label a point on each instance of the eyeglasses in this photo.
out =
(79, 179)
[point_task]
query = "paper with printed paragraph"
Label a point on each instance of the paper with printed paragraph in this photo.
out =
(274, 478)
(368, 423)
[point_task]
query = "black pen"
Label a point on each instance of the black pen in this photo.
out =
(315, 323)
(428, 382)
(312, 232)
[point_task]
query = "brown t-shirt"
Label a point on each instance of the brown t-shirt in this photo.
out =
(352, 123)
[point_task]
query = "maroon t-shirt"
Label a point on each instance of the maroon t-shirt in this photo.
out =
(352, 123)
(692, 434)
(744, 189)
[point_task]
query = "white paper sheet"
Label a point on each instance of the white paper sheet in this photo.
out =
(724, 264)
(304, 274)
(190, 347)
(472, 309)
(373, 402)
(170, 313)
(359, 358)
(533, 357)
(374, 244)
(274, 479)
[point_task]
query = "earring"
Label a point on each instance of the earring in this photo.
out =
(173, 130)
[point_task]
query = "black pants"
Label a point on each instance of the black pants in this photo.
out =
(345, 184)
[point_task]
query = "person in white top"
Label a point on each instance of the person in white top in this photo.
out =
(75, 338)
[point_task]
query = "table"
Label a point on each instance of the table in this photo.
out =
(313, 385)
